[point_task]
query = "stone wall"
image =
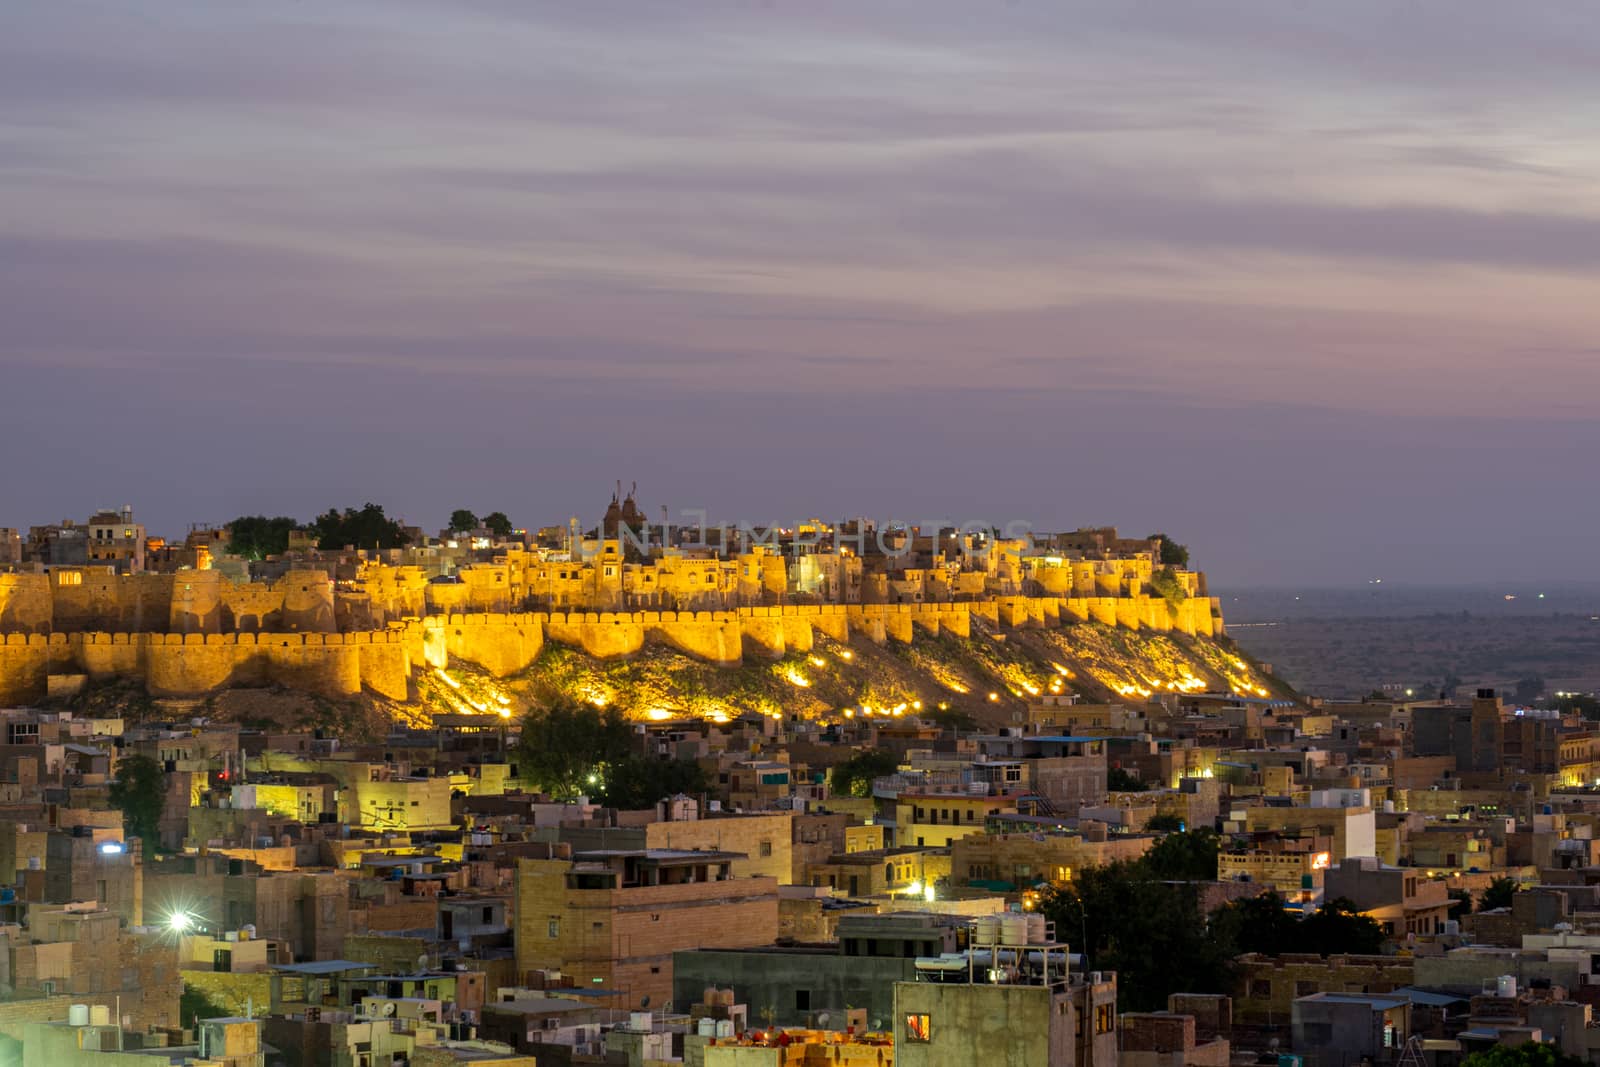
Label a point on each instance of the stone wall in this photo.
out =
(335, 665)
(200, 653)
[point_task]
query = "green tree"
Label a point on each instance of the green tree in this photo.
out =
(951, 719)
(568, 748)
(1165, 582)
(636, 782)
(1190, 856)
(257, 537)
(1460, 903)
(498, 524)
(367, 528)
(1532, 1054)
(462, 520)
(1165, 823)
(1130, 922)
(1588, 707)
(1258, 924)
(1498, 894)
(1172, 553)
(1120, 781)
(853, 777)
(195, 1004)
(1338, 927)
(140, 793)
(1262, 924)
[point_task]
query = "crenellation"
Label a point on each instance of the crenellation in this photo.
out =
(190, 632)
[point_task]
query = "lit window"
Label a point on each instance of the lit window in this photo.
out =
(917, 1028)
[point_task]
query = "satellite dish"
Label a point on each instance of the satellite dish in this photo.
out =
(644, 1001)
(422, 962)
(822, 1018)
(388, 1007)
(877, 1024)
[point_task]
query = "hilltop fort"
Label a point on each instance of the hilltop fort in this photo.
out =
(338, 623)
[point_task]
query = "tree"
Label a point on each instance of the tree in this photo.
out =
(1529, 689)
(195, 1004)
(1165, 823)
(1531, 1054)
(1125, 920)
(1190, 856)
(140, 793)
(853, 777)
(568, 748)
(1120, 781)
(1165, 582)
(1338, 927)
(1460, 903)
(462, 520)
(366, 528)
(1258, 924)
(1498, 894)
(1588, 707)
(951, 719)
(257, 537)
(1172, 553)
(497, 524)
(636, 782)
(1262, 924)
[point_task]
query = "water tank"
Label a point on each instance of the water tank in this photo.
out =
(986, 931)
(1036, 929)
(706, 1027)
(724, 1027)
(1505, 985)
(1388, 807)
(78, 1015)
(35, 863)
(247, 932)
(639, 1022)
(1452, 927)
(1014, 930)
(99, 1015)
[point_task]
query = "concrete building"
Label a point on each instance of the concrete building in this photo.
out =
(613, 919)
(1344, 816)
(1403, 899)
(79, 867)
(1008, 999)
(115, 540)
(798, 982)
(1346, 1029)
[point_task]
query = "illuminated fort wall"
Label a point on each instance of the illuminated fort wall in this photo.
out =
(195, 632)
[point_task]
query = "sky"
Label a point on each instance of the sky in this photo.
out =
(1313, 288)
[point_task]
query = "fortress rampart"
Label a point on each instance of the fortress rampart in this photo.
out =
(343, 664)
(195, 632)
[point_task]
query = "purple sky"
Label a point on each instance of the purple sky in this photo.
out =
(1316, 288)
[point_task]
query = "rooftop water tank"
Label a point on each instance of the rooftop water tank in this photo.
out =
(1506, 985)
(78, 1015)
(986, 931)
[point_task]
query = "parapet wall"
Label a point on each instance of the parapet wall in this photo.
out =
(343, 664)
